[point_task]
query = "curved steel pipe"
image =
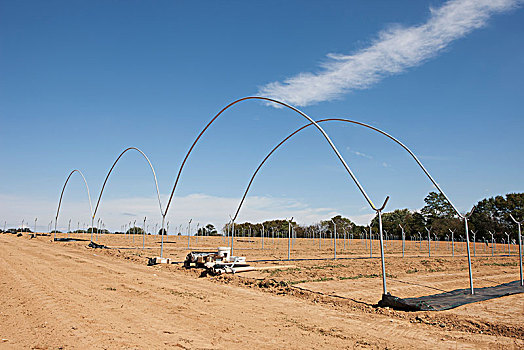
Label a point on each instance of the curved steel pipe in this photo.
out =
(111, 170)
(284, 105)
(464, 217)
(357, 123)
(62, 194)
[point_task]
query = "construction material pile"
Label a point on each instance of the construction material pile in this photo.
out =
(220, 262)
(217, 262)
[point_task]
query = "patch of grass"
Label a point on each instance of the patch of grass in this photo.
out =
(373, 275)
(326, 266)
(434, 270)
(501, 264)
(111, 288)
(298, 282)
(415, 270)
(323, 279)
(277, 271)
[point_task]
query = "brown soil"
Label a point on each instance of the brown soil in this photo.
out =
(65, 295)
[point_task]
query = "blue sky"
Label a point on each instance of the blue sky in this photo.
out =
(82, 80)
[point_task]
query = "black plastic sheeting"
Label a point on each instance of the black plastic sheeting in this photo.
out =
(96, 245)
(450, 300)
(63, 239)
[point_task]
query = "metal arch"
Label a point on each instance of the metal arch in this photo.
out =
(112, 167)
(63, 189)
(364, 125)
(62, 194)
(284, 105)
(378, 210)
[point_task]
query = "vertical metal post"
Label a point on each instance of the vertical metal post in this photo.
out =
(97, 229)
(144, 235)
(370, 242)
(289, 240)
(196, 239)
(509, 243)
(232, 236)
(92, 227)
(384, 288)
(292, 237)
(228, 233)
(520, 255)
(469, 254)
(319, 237)
(262, 236)
(403, 239)
(452, 243)
(189, 233)
(474, 242)
(491, 242)
(429, 242)
(134, 231)
(162, 234)
(35, 225)
(334, 239)
(345, 234)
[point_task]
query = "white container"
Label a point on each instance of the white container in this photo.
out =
(224, 253)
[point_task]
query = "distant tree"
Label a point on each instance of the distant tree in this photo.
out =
(391, 221)
(341, 222)
(97, 230)
(277, 227)
(437, 206)
(209, 230)
(135, 230)
(492, 214)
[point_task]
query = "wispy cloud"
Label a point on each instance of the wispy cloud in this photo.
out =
(394, 51)
(360, 154)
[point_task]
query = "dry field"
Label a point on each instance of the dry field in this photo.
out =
(65, 295)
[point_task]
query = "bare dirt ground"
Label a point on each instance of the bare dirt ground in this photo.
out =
(65, 295)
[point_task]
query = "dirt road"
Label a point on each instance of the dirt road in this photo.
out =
(57, 296)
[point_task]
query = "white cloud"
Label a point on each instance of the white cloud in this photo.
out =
(360, 154)
(394, 51)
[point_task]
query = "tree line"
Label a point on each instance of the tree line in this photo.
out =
(438, 216)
